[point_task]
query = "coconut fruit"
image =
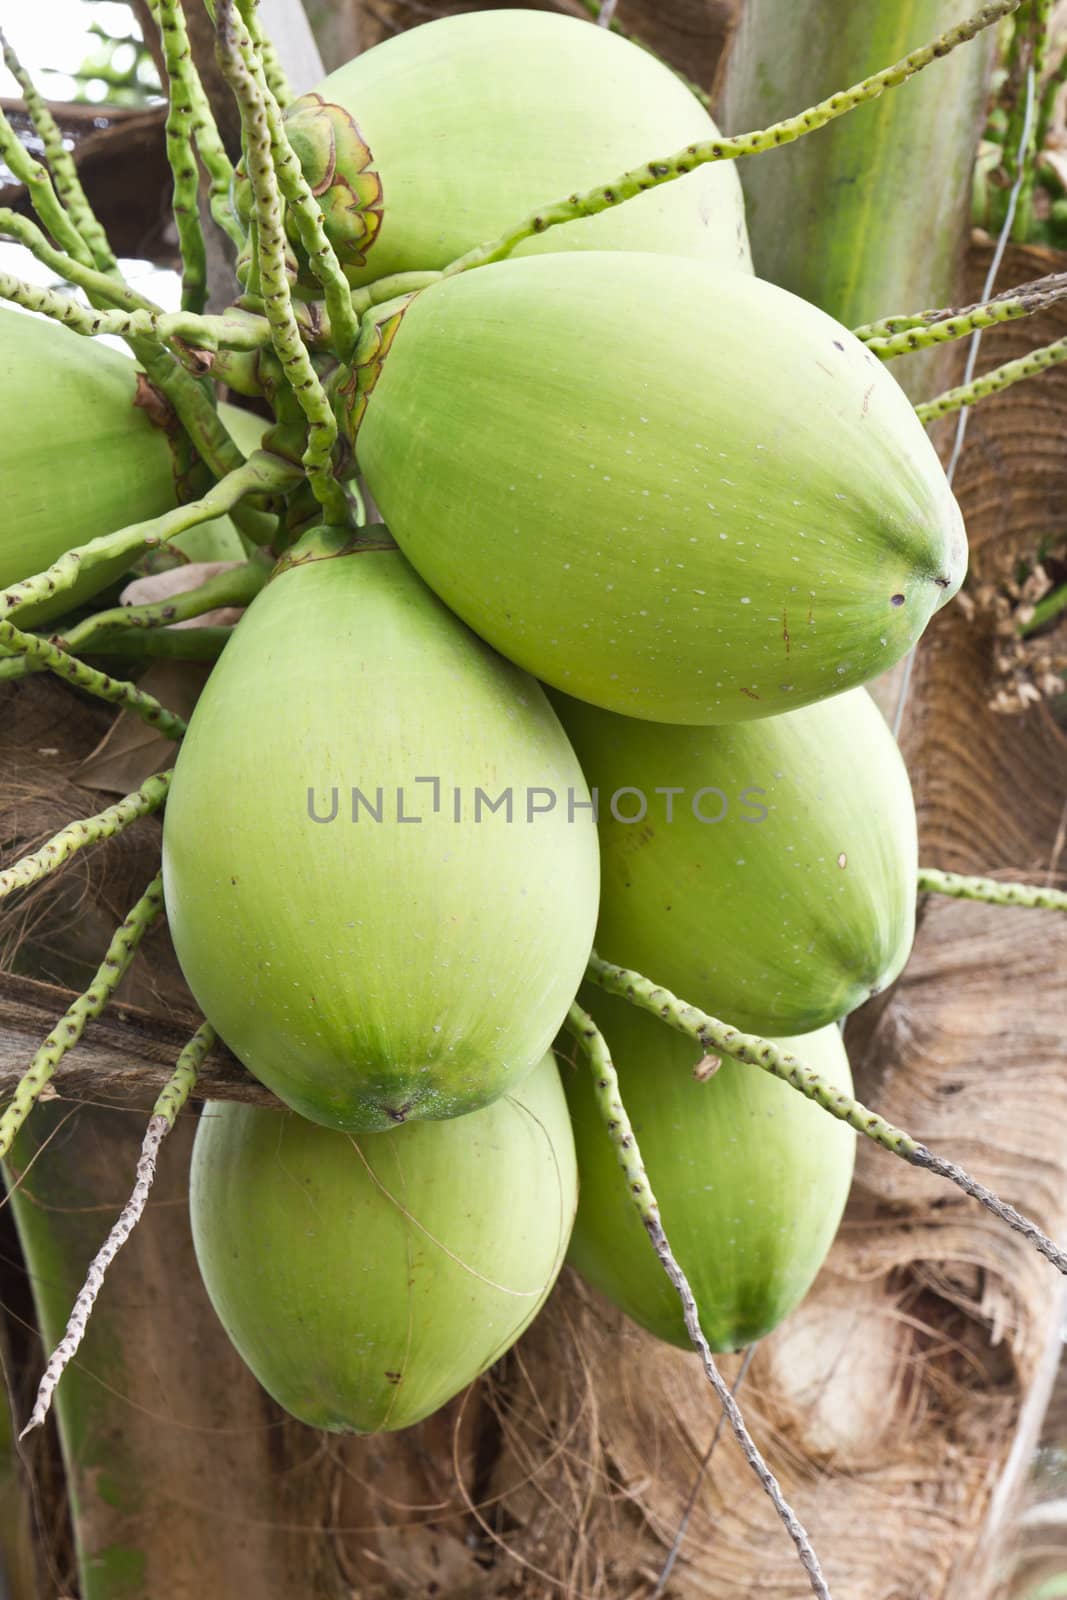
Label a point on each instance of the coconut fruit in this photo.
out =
(751, 1179)
(685, 496)
(379, 863)
(765, 871)
(366, 1280)
(441, 137)
(79, 458)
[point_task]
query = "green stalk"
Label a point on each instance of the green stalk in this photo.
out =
(898, 335)
(666, 168)
(277, 295)
(991, 891)
(713, 1036)
(238, 586)
(61, 163)
(88, 1006)
(185, 179)
(186, 86)
(115, 819)
(273, 72)
(969, 394)
(191, 400)
(202, 332)
(871, 214)
(127, 630)
(392, 288)
(260, 473)
(307, 216)
(167, 644)
(97, 285)
(1029, 53)
(116, 691)
(618, 1127)
(38, 184)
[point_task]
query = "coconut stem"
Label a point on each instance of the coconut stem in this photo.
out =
(43, 197)
(97, 285)
(277, 297)
(969, 394)
(260, 473)
(86, 831)
(200, 332)
(899, 335)
(652, 173)
(307, 215)
(171, 644)
(609, 1103)
(1023, 151)
(186, 87)
(164, 1114)
(88, 1006)
(273, 73)
(391, 288)
(125, 628)
(44, 654)
(237, 586)
(990, 891)
(712, 1035)
(185, 176)
(61, 162)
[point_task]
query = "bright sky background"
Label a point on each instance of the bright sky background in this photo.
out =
(52, 39)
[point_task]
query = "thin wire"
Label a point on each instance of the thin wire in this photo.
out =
(683, 1526)
(972, 353)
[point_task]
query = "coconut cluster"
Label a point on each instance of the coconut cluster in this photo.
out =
(649, 524)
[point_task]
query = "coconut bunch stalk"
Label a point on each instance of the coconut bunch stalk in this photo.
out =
(355, 332)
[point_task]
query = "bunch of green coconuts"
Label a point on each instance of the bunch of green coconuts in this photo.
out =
(648, 524)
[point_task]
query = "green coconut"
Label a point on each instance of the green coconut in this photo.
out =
(78, 459)
(684, 496)
(380, 869)
(367, 1280)
(764, 871)
(441, 137)
(751, 1180)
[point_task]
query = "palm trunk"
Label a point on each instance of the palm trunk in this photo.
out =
(870, 215)
(18, 1567)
